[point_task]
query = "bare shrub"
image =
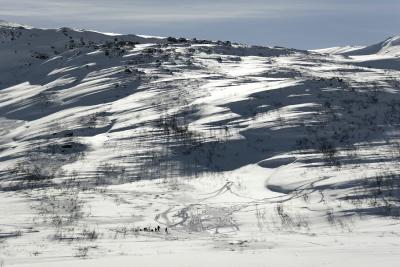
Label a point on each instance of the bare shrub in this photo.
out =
(82, 251)
(108, 174)
(291, 221)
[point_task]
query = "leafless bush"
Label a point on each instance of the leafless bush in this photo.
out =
(377, 195)
(82, 251)
(110, 174)
(60, 210)
(289, 221)
(261, 218)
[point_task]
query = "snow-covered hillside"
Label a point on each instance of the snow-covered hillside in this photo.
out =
(242, 155)
(389, 47)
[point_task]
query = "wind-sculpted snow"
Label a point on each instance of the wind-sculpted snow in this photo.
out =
(390, 47)
(106, 137)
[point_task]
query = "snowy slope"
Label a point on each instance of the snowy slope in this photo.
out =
(389, 47)
(241, 154)
(383, 55)
(337, 50)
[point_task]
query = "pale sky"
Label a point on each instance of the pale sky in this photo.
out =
(290, 23)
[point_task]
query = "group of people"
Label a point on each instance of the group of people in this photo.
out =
(150, 229)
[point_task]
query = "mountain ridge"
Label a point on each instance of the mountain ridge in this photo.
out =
(389, 47)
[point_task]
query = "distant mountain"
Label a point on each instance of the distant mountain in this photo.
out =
(389, 47)
(4, 23)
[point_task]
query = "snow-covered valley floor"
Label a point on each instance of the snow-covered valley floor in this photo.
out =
(142, 151)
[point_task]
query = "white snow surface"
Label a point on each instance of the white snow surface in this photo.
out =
(243, 155)
(389, 47)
